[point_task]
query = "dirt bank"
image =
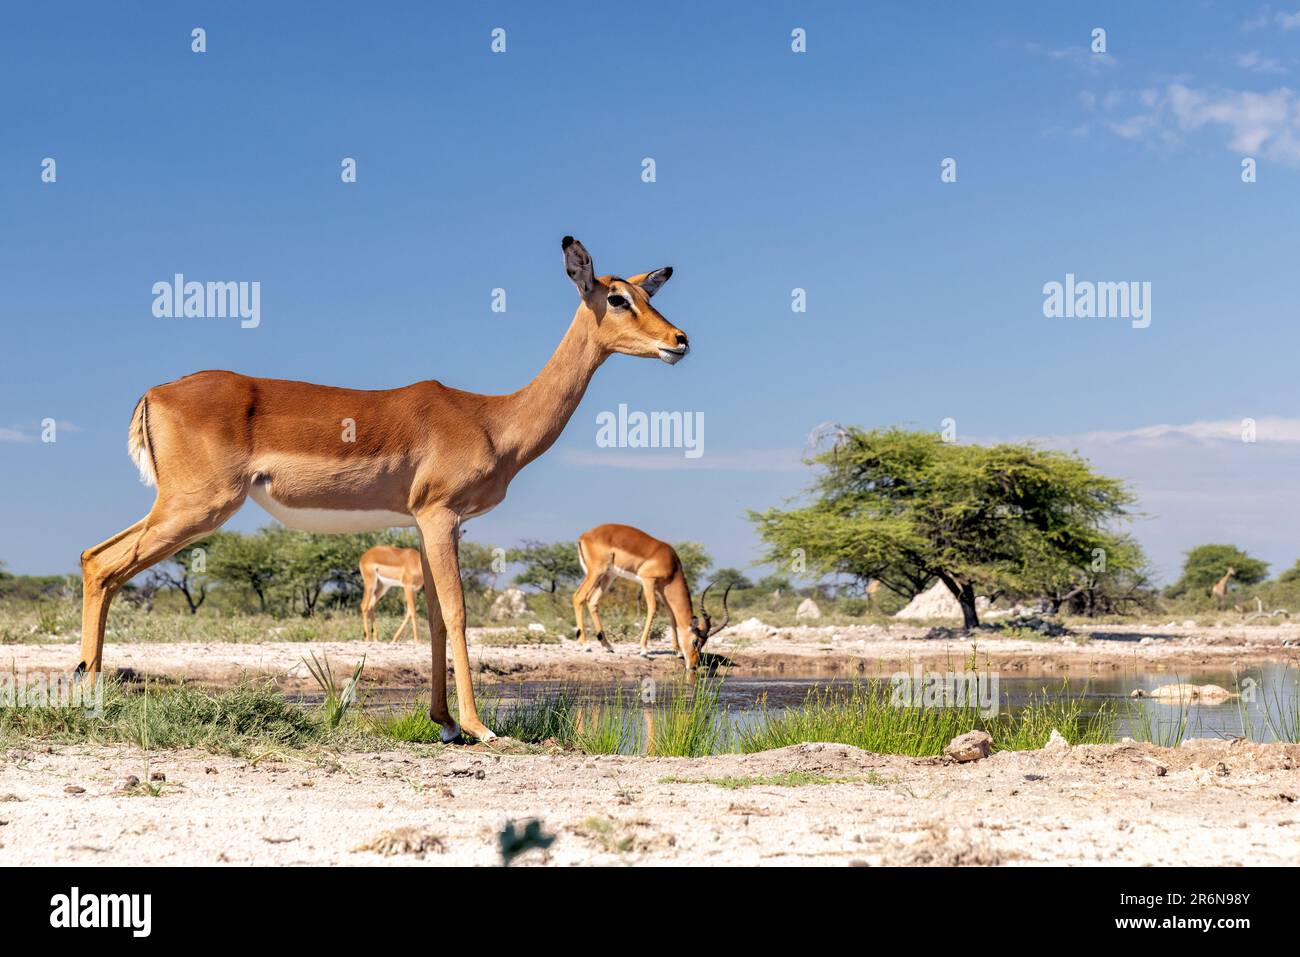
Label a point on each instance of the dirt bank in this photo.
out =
(843, 651)
(1207, 802)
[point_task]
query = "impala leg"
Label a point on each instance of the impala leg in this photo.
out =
(439, 534)
(168, 528)
(368, 605)
(647, 589)
(672, 624)
(438, 709)
(380, 591)
(580, 596)
(409, 593)
(593, 605)
(97, 592)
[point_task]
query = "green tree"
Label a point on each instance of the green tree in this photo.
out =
(1116, 579)
(1206, 564)
(256, 562)
(696, 562)
(1292, 574)
(546, 567)
(907, 507)
(479, 566)
(730, 576)
(318, 564)
(775, 582)
(187, 572)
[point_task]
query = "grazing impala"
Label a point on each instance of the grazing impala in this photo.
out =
(621, 551)
(334, 460)
(384, 567)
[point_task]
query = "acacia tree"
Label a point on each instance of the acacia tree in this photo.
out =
(1116, 579)
(908, 508)
(319, 564)
(187, 573)
(546, 567)
(478, 566)
(257, 562)
(731, 577)
(696, 562)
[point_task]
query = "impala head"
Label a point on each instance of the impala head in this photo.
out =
(620, 311)
(702, 628)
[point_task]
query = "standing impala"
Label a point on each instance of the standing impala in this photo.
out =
(342, 460)
(621, 551)
(384, 567)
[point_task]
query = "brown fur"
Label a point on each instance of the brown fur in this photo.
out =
(395, 564)
(1219, 591)
(608, 549)
(426, 450)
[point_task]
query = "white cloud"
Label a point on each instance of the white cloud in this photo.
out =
(748, 460)
(1258, 124)
(1268, 17)
(1081, 58)
(16, 433)
(1256, 62)
(1268, 429)
(1198, 482)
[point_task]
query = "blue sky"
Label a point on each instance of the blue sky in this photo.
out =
(775, 170)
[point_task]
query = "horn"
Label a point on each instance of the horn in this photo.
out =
(704, 613)
(726, 613)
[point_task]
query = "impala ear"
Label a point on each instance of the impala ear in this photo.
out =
(651, 281)
(577, 263)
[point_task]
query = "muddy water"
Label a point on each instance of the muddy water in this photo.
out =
(1268, 690)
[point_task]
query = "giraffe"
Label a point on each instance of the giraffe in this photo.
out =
(873, 586)
(1220, 590)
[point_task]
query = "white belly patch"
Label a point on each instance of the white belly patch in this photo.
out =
(389, 582)
(623, 574)
(328, 519)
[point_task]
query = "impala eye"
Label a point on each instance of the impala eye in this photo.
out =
(617, 302)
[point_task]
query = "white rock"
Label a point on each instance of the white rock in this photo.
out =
(537, 626)
(509, 604)
(1187, 692)
(1057, 741)
(751, 628)
(937, 602)
(808, 609)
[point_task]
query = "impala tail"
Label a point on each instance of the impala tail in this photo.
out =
(137, 443)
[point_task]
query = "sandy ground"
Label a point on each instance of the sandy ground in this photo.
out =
(831, 651)
(1208, 802)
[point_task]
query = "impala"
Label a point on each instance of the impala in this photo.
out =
(424, 455)
(384, 567)
(621, 551)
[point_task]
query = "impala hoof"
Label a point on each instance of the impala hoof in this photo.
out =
(448, 734)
